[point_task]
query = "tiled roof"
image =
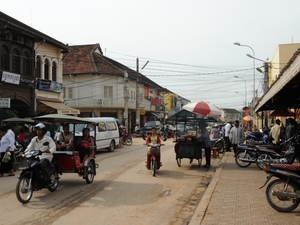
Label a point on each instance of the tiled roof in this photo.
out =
(88, 59)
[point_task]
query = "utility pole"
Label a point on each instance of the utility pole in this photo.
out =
(137, 107)
(125, 115)
(138, 80)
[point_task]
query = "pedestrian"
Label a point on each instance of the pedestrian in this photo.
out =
(275, 132)
(236, 135)
(226, 137)
(291, 128)
(12, 133)
(215, 132)
(206, 144)
(136, 128)
(120, 135)
(7, 152)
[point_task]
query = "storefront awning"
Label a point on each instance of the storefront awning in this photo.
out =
(156, 115)
(284, 92)
(61, 108)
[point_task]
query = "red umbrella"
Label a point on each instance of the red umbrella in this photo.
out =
(203, 108)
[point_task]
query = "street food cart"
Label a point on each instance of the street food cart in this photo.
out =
(188, 142)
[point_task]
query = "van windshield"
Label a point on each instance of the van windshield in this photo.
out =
(150, 124)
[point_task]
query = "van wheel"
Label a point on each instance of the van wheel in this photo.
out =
(111, 147)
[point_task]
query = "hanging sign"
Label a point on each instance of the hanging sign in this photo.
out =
(5, 103)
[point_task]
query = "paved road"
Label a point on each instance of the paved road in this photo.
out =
(234, 197)
(123, 192)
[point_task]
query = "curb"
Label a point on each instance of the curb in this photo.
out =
(201, 209)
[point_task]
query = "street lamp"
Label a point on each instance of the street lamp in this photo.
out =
(245, 89)
(237, 43)
(242, 95)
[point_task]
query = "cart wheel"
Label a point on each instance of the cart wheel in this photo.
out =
(178, 162)
(199, 162)
(89, 173)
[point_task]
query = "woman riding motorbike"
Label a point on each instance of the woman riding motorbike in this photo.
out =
(152, 138)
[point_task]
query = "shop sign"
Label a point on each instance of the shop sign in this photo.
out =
(142, 112)
(48, 85)
(11, 78)
(5, 103)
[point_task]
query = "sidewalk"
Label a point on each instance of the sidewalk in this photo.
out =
(233, 197)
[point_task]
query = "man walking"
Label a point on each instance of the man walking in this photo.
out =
(236, 135)
(226, 137)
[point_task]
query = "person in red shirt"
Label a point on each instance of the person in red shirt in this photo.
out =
(153, 138)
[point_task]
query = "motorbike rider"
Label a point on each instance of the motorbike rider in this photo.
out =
(37, 144)
(152, 138)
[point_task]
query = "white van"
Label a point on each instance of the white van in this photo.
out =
(107, 132)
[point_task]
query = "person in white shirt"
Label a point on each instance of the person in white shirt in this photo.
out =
(236, 135)
(226, 135)
(36, 143)
(6, 147)
(10, 131)
(136, 128)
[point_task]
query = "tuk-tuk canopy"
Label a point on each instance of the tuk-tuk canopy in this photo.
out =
(60, 118)
(185, 115)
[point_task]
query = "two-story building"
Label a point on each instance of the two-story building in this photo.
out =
(31, 69)
(96, 85)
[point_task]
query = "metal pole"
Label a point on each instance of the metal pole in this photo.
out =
(125, 115)
(137, 107)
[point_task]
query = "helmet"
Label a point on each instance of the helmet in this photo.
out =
(40, 126)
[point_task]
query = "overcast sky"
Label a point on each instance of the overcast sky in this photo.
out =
(189, 44)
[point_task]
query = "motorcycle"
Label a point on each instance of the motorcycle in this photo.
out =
(31, 178)
(262, 155)
(257, 138)
(154, 163)
(219, 143)
(289, 157)
(283, 193)
(127, 140)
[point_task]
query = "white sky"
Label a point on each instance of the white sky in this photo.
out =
(189, 43)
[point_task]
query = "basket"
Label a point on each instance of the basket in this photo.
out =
(85, 145)
(154, 151)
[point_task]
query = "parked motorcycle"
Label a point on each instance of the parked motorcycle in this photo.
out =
(283, 193)
(127, 140)
(31, 178)
(289, 157)
(257, 138)
(262, 155)
(219, 143)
